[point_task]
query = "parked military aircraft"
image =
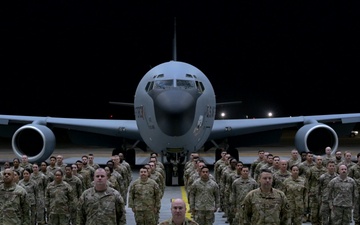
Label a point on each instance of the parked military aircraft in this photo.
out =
(174, 106)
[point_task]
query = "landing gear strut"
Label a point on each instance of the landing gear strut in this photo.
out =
(174, 167)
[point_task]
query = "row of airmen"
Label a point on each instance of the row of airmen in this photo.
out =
(38, 182)
(53, 191)
(301, 179)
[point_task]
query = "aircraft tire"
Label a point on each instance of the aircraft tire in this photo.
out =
(168, 174)
(234, 153)
(116, 151)
(217, 154)
(181, 168)
(130, 156)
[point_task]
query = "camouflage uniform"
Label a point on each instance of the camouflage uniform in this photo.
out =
(323, 194)
(312, 180)
(122, 183)
(115, 184)
(78, 175)
(204, 200)
(19, 169)
(253, 166)
(61, 166)
(77, 189)
(225, 188)
(128, 167)
(343, 196)
(160, 170)
(105, 207)
(304, 168)
(354, 173)
(346, 163)
(231, 211)
(155, 175)
(297, 195)
(293, 161)
(48, 175)
(187, 173)
(31, 188)
(52, 169)
(58, 200)
(158, 178)
(41, 182)
(279, 178)
(266, 208)
(90, 169)
(26, 165)
(186, 222)
(218, 164)
(121, 169)
(144, 198)
(240, 187)
(14, 205)
(220, 173)
(257, 169)
(86, 177)
(193, 178)
(328, 158)
(94, 165)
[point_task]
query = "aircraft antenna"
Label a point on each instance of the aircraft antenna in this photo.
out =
(174, 42)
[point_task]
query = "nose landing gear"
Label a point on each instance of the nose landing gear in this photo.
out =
(174, 168)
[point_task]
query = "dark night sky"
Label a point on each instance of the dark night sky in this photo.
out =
(70, 58)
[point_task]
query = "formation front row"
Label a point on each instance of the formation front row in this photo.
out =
(102, 204)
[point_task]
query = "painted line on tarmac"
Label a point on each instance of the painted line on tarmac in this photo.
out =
(185, 198)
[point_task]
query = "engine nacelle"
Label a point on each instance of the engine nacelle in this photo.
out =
(34, 140)
(315, 137)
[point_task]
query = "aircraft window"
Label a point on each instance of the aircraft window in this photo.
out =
(162, 84)
(200, 86)
(149, 86)
(186, 84)
(189, 75)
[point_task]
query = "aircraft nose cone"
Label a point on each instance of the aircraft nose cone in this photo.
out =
(175, 107)
(174, 101)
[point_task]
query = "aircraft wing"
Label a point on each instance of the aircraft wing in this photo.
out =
(314, 132)
(236, 127)
(116, 128)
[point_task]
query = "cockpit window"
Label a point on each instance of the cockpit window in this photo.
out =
(200, 86)
(149, 86)
(162, 84)
(182, 84)
(186, 84)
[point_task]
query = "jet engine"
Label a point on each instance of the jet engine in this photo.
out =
(315, 137)
(34, 140)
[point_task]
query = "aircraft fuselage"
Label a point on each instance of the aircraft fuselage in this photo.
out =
(174, 107)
